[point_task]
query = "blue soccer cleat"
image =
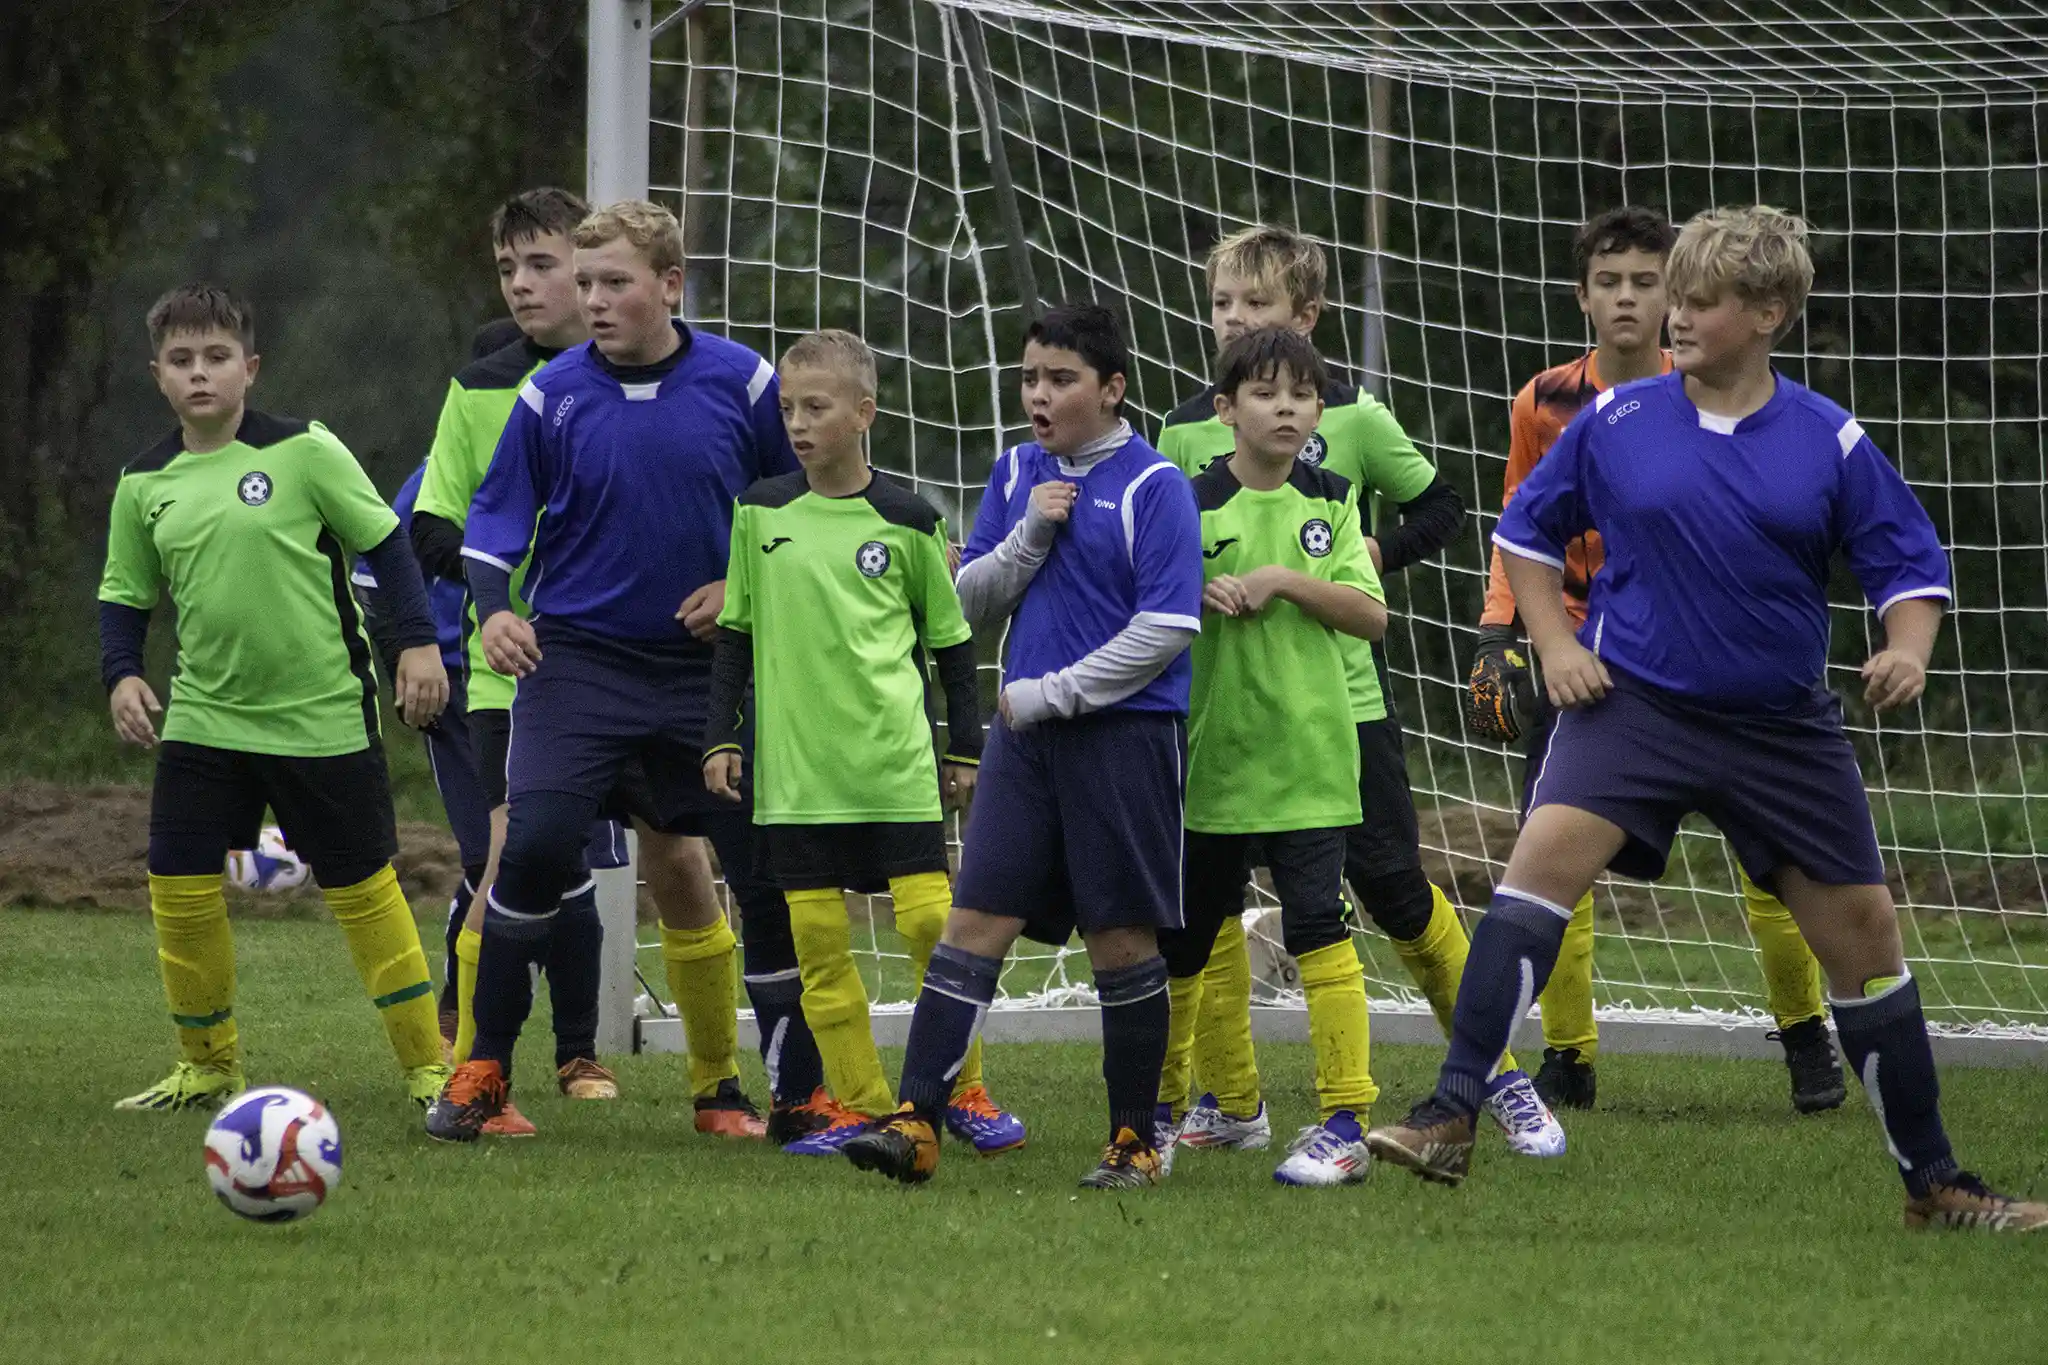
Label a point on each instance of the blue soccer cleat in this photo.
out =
(974, 1119)
(840, 1126)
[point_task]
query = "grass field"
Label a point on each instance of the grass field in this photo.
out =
(1695, 1220)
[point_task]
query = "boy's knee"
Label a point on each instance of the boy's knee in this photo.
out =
(546, 829)
(1400, 903)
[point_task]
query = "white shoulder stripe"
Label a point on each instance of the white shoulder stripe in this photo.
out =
(531, 395)
(1130, 511)
(1010, 485)
(1518, 551)
(1848, 436)
(764, 374)
(1606, 397)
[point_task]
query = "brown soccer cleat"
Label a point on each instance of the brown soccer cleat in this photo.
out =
(1964, 1203)
(1434, 1141)
(509, 1123)
(474, 1095)
(728, 1113)
(1128, 1163)
(580, 1078)
(903, 1146)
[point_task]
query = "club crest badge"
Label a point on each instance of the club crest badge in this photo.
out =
(872, 559)
(1316, 537)
(254, 489)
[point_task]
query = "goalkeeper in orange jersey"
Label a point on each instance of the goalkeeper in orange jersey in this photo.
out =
(1620, 257)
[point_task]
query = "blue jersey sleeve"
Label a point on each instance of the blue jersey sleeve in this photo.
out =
(992, 520)
(771, 438)
(508, 503)
(1549, 508)
(1166, 550)
(1885, 532)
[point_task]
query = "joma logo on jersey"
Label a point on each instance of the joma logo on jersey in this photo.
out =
(562, 409)
(1221, 546)
(1313, 452)
(254, 489)
(1317, 538)
(1624, 410)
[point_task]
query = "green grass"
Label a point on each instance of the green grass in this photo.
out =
(1695, 1220)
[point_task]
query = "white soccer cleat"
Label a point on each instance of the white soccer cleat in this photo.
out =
(1332, 1152)
(1165, 1137)
(1207, 1126)
(1531, 1129)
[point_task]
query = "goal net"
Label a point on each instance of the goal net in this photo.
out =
(919, 171)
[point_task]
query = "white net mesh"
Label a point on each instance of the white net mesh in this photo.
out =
(834, 166)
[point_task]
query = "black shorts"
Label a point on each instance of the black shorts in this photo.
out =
(1388, 838)
(335, 812)
(490, 737)
(858, 857)
(1307, 867)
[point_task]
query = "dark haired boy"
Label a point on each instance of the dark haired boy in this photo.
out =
(1088, 545)
(274, 708)
(1619, 257)
(1286, 574)
(1268, 275)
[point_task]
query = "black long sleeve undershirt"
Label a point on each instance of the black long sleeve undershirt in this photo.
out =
(403, 620)
(1428, 522)
(124, 636)
(732, 672)
(490, 587)
(437, 542)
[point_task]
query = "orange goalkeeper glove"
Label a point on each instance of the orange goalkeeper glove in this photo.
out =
(1501, 690)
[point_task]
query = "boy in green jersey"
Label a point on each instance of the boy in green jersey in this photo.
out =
(1272, 757)
(1268, 276)
(840, 569)
(251, 522)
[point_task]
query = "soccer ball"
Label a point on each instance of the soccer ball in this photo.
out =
(270, 866)
(273, 1155)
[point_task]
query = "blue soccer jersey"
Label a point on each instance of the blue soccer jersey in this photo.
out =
(1719, 535)
(447, 600)
(1131, 550)
(637, 476)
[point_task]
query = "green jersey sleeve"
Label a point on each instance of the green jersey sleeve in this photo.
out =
(933, 597)
(134, 575)
(1382, 456)
(1350, 563)
(347, 501)
(450, 481)
(738, 611)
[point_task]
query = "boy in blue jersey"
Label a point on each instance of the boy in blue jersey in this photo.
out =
(1697, 684)
(635, 445)
(1088, 544)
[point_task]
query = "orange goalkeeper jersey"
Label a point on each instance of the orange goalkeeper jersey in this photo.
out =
(1541, 412)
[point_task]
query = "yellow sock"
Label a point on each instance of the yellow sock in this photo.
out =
(1567, 1001)
(469, 944)
(1791, 972)
(923, 901)
(385, 942)
(1339, 1028)
(836, 1003)
(1176, 1077)
(1435, 960)
(703, 979)
(195, 950)
(1225, 1063)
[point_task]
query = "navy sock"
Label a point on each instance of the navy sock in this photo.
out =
(1134, 1013)
(1884, 1038)
(959, 986)
(575, 957)
(512, 945)
(458, 910)
(788, 1051)
(1513, 949)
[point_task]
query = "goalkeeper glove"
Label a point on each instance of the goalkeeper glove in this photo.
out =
(1501, 690)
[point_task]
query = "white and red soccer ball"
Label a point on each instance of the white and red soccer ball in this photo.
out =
(273, 1155)
(270, 866)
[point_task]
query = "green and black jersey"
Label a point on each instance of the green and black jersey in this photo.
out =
(254, 542)
(473, 416)
(1359, 440)
(1271, 738)
(837, 595)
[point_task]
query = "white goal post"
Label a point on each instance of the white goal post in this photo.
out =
(929, 172)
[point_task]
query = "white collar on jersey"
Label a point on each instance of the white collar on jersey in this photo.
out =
(1096, 451)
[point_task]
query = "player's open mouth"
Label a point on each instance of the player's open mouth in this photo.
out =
(1040, 424)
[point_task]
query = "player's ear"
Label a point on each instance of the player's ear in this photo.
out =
(1226, 410)
(672, 287)
(1113, 390)
(864, 412)
(1306, 316)
(1585, 302)
(251, 364)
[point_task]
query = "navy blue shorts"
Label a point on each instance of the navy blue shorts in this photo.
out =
(1785, 789)
(1077, 825)
(490, 743)
(451, 754)
(607, 720)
